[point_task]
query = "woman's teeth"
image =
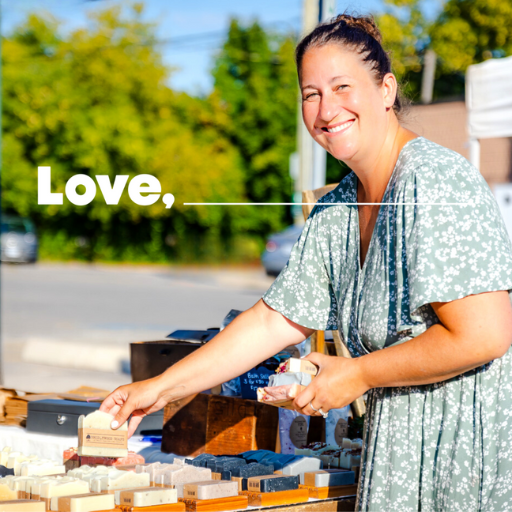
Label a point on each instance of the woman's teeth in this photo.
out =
(340, 127)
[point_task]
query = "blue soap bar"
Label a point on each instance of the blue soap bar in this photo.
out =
(201, 460)
(253, 470)
(272, 483)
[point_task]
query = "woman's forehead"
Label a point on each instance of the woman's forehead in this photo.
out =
(330, 63)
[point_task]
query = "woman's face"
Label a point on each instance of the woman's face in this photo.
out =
(343, 107)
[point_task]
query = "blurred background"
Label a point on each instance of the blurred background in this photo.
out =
(203, 95)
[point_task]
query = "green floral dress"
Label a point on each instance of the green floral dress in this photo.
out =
(439, 447)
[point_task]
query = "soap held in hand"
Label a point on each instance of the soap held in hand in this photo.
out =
(298, 365)
(96, 437)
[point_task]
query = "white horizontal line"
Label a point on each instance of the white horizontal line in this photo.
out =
(325, 204)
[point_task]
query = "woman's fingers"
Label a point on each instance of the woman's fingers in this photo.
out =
(113, 401)
(135, 422)
(302, 402)
(316, 358)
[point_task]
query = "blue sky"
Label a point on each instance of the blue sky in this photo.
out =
(176, 18)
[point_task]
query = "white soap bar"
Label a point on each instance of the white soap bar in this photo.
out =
(49, 490)
(19, 483)
(86, 503)
(15, 459)
(187, 474)
(22, 506)
(4, 455)
(211, 490)
(6, 493)
(41, 468)
(124, 480)
(148, 497)
(344, 459)
(146, 468)
(101, 421)
(346, 443)
(157, 474)
(36, 483)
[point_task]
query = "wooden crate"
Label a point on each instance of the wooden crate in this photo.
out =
(220, 425)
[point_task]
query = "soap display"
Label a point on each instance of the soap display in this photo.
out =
(97, 438)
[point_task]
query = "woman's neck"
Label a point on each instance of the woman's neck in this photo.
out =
(375, 169)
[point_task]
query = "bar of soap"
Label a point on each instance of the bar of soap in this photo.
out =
(6, 493)
(148, 497)
(86, 503)
(346, 444)
(157, 473)
(297, 365)
(57, 489)
(253, 469)
(210, 490)
(272, 483)
(187, 474)
(41, 468)
(97, 444)
(200, 460)
(329, 478)
(22, 506)
(4, 455)
(298, 466)
(122, 480)
(286, 379)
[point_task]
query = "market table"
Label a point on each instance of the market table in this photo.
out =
(46, 446)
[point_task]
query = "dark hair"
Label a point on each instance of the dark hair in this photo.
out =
(359, 33)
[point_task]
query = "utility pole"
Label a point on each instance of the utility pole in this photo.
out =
(312, 157)
(428, 76)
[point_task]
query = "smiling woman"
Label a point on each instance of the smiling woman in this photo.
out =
(417, 286)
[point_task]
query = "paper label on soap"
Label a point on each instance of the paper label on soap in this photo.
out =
(191, 492)
(340, 431)
(101, 438)
(253, 485)
(299, 432)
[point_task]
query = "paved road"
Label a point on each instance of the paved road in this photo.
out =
(59, 315)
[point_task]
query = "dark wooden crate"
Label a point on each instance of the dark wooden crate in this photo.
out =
(219, 425)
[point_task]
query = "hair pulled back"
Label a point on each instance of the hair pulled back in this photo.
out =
(359, 33)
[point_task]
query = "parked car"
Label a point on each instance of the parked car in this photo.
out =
(18, 240)
(278, 249)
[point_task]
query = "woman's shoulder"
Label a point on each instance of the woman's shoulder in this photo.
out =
(432, 171)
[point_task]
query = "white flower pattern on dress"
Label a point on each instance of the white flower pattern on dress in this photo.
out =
(441, 447)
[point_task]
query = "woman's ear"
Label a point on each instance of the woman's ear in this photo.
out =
(389, 90)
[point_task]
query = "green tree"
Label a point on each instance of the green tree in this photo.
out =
(465, 33)
(96, 103)
(255, 78)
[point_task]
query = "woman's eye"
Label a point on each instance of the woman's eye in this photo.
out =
(310, 95)
(341, 87)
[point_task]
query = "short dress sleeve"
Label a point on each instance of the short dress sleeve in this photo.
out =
(303, 291)
(455, 250)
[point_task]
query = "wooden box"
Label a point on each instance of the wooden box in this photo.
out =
(220, 425)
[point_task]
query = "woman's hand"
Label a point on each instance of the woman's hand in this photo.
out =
(338, 383)
(138, 400)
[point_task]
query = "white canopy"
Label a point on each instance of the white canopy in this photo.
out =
(489, 99)
(488, 103)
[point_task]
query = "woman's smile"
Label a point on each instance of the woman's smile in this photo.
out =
(337, 129)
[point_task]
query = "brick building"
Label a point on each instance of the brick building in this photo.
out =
(445, 123)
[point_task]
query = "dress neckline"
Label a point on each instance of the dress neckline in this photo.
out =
(356, 181)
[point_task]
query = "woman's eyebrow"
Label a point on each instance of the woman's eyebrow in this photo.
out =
(333, 79)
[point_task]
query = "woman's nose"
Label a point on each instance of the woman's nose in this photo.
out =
(328, 108)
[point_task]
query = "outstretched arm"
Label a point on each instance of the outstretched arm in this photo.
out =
(255, 335)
